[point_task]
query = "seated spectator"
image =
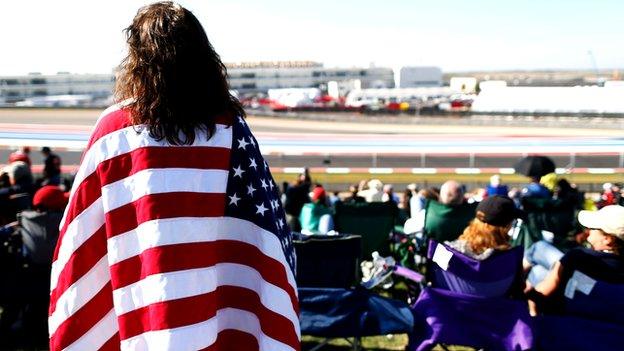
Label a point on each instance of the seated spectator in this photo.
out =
(418, 201)
(603, 261)
(488, 231)
(496, 188)
(23, 154)
(446, 219)
(295, 197)
(374, 192)
(354, 197)
(51, 167)
(315, 217)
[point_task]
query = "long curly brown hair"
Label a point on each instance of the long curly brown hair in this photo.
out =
(172, 77)
(481, 236)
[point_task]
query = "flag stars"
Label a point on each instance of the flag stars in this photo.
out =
(266, 165)
(260, 209)
(234, 200)
(271, 184)
(252, 142)
(241, 120)
(265, 186)
(250, 190)
(242, 144)
(253, 163)
(238, 172)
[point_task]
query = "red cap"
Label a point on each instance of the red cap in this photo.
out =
(51, 197)
(18, 156)
(318, 193)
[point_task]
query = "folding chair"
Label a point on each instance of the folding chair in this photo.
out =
(468, 302)
(329, 307)
(592, 317)
(373, 221)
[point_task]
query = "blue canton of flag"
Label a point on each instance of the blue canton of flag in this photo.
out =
(252, 194)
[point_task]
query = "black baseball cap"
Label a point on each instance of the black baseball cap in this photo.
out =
(498, 211)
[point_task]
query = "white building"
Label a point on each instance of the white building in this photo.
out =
(262, 76)
(416, 77)
(18, 88)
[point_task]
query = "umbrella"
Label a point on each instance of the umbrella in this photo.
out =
(535, 166)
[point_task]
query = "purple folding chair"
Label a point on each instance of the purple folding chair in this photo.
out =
(468, 302)
(593, 317)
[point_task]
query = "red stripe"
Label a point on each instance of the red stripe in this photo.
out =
(88, 191)
(112, 344)
(234, 340)
(164, 205)
(178, 257)
(79, 263)
(196, 309)
(83, 320)
(198, 157)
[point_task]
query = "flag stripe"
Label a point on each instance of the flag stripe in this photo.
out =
(127, 139)
(78, 232)
(79, 294)
(180, 284)
(233, 340)
(202, 335)
(164, 205)
(190, 230)
(174, 258)
(199, 308)
(162, 180)
(122, 166)
(81, 261)
(98, 336)
(112, 344)
(84, 319)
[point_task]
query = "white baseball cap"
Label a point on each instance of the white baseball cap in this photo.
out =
(609, 219)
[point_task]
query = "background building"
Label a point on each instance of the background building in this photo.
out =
(416, 77)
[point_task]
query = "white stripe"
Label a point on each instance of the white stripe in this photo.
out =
(181, 284)
(127, 139)
(163, 180)
(424, 170)
(467, 171)
(202, 335)
(561, 170)
(78, 231)
(96, 336)
(293, 170)
(507, 171)
(79, 293)
(600, 170)
(381, 170)
(338, 170)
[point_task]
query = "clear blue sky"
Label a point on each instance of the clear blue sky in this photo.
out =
(85, 36)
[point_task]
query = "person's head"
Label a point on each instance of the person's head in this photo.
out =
(451, 193)
(318, 195)
(18, 173)
(46, 151)
(606, 228)
(491, 225)
(375, 185)
(495, 180)
(388, 189)
(50, 198)
(172, 78)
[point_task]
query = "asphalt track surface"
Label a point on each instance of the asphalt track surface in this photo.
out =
(288, 142)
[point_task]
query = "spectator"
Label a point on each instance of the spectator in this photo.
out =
(296, 197)
(496, 188)
(374, 192)
(51, 167)
(535, 189)
(603, 261)
(354, 197)
(315, 217)
(389, 195)
(418, 201)
(22, 154)
(444, 220)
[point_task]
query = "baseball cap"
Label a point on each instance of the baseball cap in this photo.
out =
(498, 211)
(51, 197)
(318, 193)
(609, 219)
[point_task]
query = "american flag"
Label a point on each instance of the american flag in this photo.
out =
(173, 247)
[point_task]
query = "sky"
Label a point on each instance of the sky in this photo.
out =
(81, 36)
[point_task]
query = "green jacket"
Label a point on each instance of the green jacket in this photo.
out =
(310, 215)
(445, 222)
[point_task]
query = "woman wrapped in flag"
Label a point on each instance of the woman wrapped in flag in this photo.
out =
(174, 237)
